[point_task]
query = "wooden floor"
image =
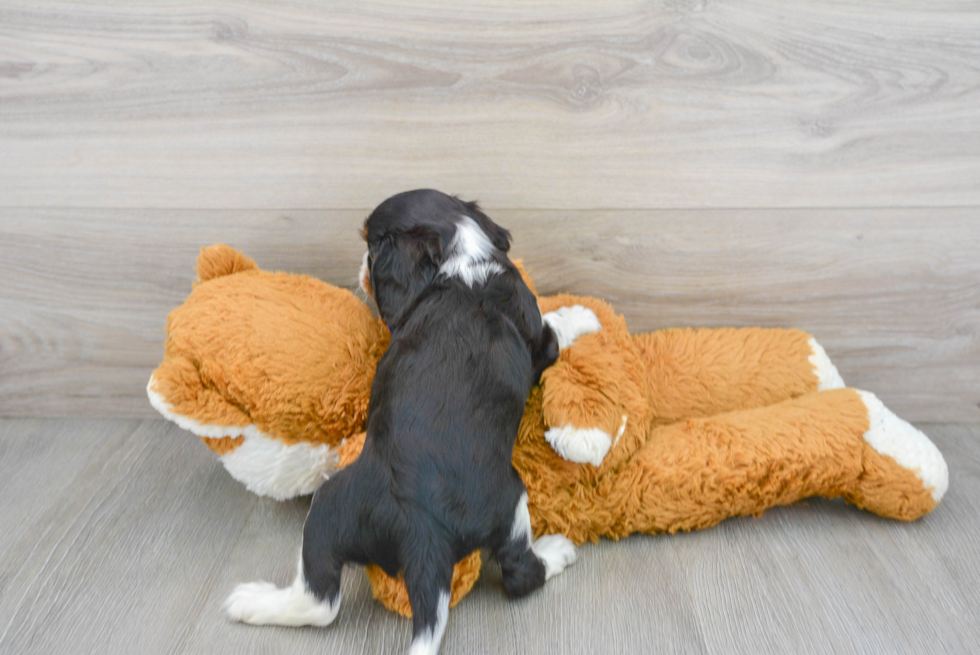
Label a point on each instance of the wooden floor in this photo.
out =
(124, 536)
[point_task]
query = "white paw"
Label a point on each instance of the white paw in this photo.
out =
(263, 603)
(249, 602)
(900, 440)
(556, 552)
(580, 445)
(823, 368)
(570, 323)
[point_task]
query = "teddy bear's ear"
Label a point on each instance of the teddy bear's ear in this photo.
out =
(519, 264)
(219, 259)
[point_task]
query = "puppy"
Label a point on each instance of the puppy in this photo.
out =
(434, 481)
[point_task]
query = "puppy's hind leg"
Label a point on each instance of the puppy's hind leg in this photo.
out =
(525, 565)
(262, 603)
(314, 596)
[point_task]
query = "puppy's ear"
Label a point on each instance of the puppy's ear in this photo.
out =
(499, 237)
(405, 263)
(426, 243)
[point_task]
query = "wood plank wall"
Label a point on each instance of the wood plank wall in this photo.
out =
(696, 163)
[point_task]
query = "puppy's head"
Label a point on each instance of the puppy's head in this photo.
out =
(415, 236)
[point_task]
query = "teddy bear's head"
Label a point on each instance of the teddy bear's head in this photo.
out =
(272, 371)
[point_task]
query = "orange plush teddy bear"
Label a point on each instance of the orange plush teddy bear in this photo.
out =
(671, 430)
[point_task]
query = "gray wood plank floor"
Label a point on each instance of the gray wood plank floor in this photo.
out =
(120, 536)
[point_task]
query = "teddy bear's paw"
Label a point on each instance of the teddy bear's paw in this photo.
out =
(827, 375)
(570, 323)
(580, 445)
(263, 603)
(556, 552)
(909, 447)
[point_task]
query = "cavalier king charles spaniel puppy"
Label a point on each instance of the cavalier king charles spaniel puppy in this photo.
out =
(434, 481)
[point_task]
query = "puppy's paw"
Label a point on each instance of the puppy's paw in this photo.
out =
(249, 602)
(556, 552)
(570, 323)
(263, 603)
(580, 445)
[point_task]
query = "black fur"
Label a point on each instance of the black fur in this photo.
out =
(435, 481)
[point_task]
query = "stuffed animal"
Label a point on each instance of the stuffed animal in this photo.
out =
(671, 430)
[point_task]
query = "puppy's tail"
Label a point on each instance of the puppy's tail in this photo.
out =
(219, 259)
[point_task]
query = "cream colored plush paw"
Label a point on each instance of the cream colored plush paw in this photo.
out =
(570, 323)
(579, 445)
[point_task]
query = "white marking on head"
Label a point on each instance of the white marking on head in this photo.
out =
(470, 254)
(823, 368)
(570, 323)
(909, 447)
(364, 275)
(262, 603)
(427, 643)
(521, 528)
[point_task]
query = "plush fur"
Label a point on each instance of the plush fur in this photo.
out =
(719, 422)
(294, 381)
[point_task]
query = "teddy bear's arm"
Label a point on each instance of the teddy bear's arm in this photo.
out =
(583, 393)
(570, 323)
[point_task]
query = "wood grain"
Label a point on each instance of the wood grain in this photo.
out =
(134, 534)
(894, 295)
(117, 562)
(627, 104)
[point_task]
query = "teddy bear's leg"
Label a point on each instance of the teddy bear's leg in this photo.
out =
(892, 451)
(695, 473)
(703, 372)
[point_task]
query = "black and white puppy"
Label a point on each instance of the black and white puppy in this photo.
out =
(434, 481)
